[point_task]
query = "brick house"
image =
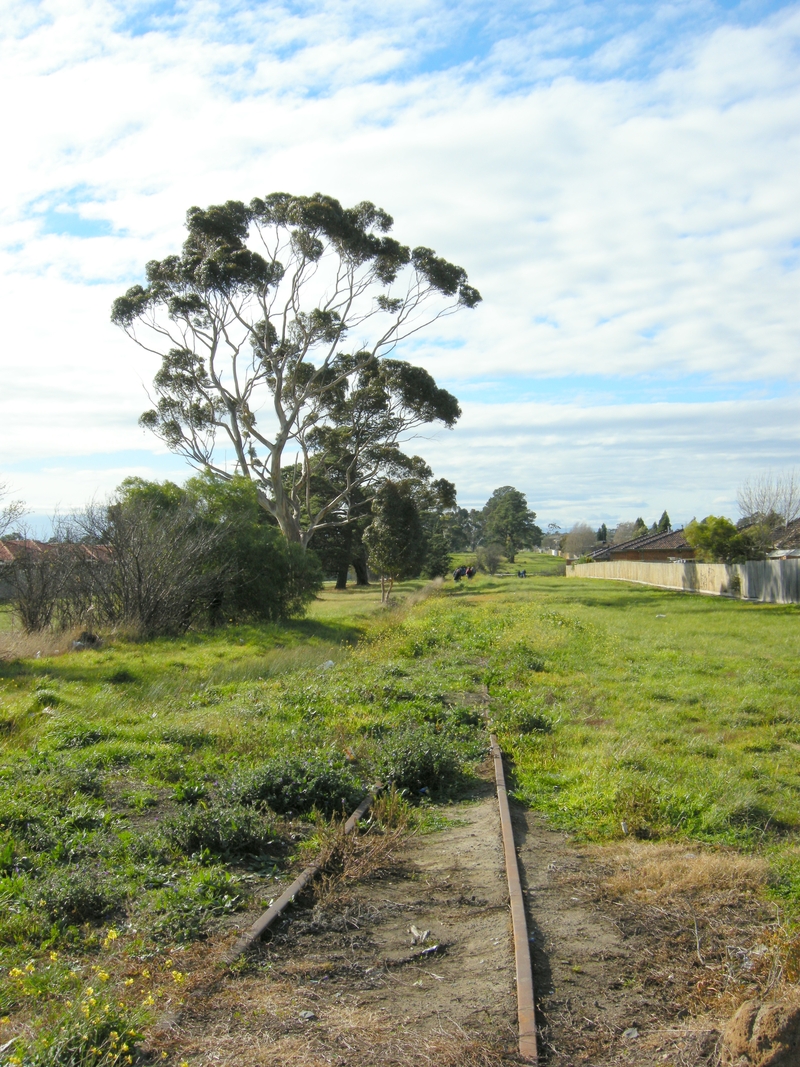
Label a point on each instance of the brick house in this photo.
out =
(649, 548)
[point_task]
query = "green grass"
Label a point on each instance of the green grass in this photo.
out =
(137, 788)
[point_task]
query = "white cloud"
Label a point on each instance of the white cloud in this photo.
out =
(613, 462)
(616, 226)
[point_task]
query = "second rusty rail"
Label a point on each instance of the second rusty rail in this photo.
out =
(526, 1013)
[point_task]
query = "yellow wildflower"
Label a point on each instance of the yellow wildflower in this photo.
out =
(29, 967)
(103, 976)
(128, 981)
(178, 977)
(15, 972)
(54, 956)
(112, 935)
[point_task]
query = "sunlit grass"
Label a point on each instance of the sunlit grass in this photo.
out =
(627, 712)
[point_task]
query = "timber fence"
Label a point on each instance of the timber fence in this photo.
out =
(772, 581)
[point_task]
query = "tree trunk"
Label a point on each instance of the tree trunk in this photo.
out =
(360, 566)
(344, 559)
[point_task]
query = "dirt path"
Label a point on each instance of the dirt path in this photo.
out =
(414, 964)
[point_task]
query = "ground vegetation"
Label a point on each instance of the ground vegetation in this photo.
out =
(139, 782)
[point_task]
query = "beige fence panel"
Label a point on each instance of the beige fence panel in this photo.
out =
(773, 581)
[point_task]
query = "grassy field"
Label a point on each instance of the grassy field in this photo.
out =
(151, 790)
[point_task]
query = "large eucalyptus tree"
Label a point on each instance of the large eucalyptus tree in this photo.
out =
(277, 328)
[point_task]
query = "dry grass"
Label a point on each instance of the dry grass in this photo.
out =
(16, 644)
(664, 872)
(256, 1021)
(703, 916)
(351, 858)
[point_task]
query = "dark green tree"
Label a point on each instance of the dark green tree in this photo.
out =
(509, 522)
(352, 454)
(275, 326)
(396, 538)
(602, 533)
(664, 524)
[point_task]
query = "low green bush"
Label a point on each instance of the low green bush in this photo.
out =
(78, 896)
(299, 785)
(186, 911)
(225, 831)
(418, 758)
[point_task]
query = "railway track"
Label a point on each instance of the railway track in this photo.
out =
(526, 1017)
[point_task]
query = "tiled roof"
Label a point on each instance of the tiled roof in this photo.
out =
(669, 540)
(12, 550)
(789, 536)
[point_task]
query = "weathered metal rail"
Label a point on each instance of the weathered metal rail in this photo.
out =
(526, 1015)
(526, 1012)
(277, 907)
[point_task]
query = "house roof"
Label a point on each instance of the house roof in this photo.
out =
(789, 536)
(13, 550)
(669, 540)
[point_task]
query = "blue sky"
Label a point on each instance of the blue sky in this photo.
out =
(619, 180)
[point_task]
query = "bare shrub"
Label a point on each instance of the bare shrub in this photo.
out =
(40, 578)
(771, 499)
(160, 572)
(11, 512)
(489, 557)
(581, 538)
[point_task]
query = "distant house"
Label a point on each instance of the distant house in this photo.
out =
(787, 542)
(649, 548)
(38, 551)
(10, 551)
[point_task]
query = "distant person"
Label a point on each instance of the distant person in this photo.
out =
(470, 573)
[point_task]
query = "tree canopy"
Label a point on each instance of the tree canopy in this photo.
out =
(277, 327)
(396, 537)
(717, 540)
(509, 522)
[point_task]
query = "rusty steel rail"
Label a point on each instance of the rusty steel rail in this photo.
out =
(526, 1013)
(277, 907)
